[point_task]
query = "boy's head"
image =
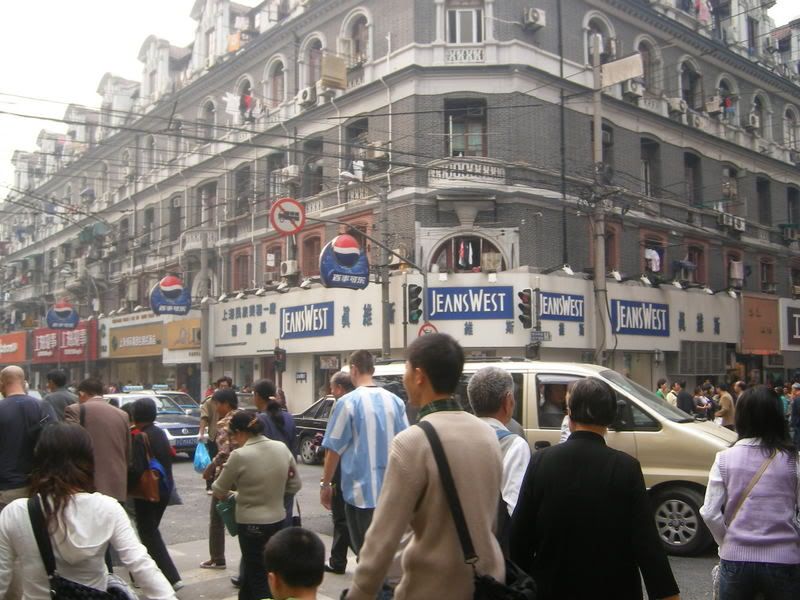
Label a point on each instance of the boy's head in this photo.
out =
(295, 560)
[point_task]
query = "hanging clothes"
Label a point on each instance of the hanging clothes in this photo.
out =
(462, 256)
(736, 270)
(231, 104)
(653, 259)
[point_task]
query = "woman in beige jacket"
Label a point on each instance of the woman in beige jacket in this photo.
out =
(262, 471)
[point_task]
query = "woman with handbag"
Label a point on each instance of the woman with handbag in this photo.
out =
(262, 471)
(75, 526)
(752, 503)
(151, 443)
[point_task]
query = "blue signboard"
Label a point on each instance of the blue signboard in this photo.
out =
(169, 297)
(343, 264)
(634, 317)
(307, 320)
(62, 316)
(561, 307)
(469, 303)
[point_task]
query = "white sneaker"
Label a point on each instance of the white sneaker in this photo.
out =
(177, 585)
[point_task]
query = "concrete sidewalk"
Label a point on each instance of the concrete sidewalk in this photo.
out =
(215, 583)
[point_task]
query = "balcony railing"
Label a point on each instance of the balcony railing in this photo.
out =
(193, 239)
(461, 172)
(465, 55)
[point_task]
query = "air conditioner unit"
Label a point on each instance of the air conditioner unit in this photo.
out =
(677, 106)
(307, 96)
(289, 268)
(323, 91)
(632, 88)
(290, 174)
(377, 151)
(534, 18)
(739, 224)
(697, 121)
(725, 219)
(753, 122)
(714, 105)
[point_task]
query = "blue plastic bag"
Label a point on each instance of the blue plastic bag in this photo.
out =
(201, 458)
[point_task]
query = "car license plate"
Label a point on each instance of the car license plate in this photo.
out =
(183, 442)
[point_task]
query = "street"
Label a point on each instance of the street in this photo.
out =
(185, 529)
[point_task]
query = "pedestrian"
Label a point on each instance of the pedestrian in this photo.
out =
(341, 384)
(661, 388)
(583, 527)
(294, 558)
(59, 397)
(794, 419)
(359, 432)
(491, 396)
(225, 404)
(672, 394)
(262, 471)
(413, 495)
(738, 389)
(152, 441)
(684, 399)
(726, 413)
(752, 502)
(81, 524)
(207, 432)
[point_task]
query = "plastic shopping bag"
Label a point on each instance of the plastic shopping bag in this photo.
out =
(201, 458)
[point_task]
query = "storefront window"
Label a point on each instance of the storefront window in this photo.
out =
(465, 254)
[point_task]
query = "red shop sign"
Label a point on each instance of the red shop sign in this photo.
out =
(54, 346)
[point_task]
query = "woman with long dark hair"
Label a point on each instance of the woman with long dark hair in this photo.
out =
(81, 524)
(753, 501)
(262, 471)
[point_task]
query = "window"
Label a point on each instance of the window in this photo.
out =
(767, 275)
(464, 23)
(608, 44)
(148, 226)
(356, 138)
(311, 250)
(608, 146)
(693, 266)
(752, 35)
(314, 66)
(313, 168)
(208, 203)
(551, 399)
(793, 207)
(653, 254)
(175, 218)
(359, 36)
(691, 88)
(276, 91)
(247, 104)
(241, 272)
(464, 254)
(103, 179)
(150, 153)
(729, 101)
(730, 191)
(790, 133)
(275, 184)
(651, 66)
(211, 46)
(465, 124)
(127, 167)
(759, 113)
(242, 189)
(651, 167)
(272, 263)
(734, 269)
(764, 196)
(693, 179)
(208, 117)
(178, 140)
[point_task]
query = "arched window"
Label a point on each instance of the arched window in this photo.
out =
(311, 249)
(653, 252)
(359, 34)
(608, 44)
(766, 268)
(127, 166)
(691, 89)
(467, 254)
(207, 124)
(693, 267)
(651, 66)
(314, 62)
(790, 134)
(177, 137)
(242, 272)
(729, 101)
(246, 101)
(276, 84)
(757, 125)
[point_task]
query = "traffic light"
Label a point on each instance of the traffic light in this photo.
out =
(526, 308)
(280, 360)
(414, 305)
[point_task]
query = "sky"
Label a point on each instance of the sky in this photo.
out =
(57, 51)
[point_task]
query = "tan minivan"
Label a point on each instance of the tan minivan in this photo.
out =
(676, 451)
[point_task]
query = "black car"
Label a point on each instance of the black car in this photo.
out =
(309, 424)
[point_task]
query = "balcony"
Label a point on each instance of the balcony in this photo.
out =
(466, 172)
(465, 55)
(28, 293)
(192, 240)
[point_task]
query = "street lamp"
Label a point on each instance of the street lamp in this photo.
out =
(384, 258)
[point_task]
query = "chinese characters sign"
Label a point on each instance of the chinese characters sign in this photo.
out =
(54, 346)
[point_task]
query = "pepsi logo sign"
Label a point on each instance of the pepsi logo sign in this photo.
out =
(62, 316)
(344, 264)
(171, 287)
(170, 297)
(346, 250)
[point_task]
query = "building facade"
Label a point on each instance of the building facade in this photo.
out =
(475, 117)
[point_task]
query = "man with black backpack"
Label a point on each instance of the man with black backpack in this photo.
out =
(491, 395)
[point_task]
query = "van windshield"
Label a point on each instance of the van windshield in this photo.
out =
(648, 398)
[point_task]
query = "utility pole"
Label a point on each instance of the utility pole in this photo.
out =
(386, 346)
(598, 216)
(205, 325)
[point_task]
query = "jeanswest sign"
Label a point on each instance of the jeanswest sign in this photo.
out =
(631, 317)
(466, 303)
(561, 307)
(307, 320)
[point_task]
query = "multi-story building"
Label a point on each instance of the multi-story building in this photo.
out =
(475, 116)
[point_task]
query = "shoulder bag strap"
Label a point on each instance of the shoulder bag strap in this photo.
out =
(751, 485)
(450, 492)
(83, 415)
(40, 533)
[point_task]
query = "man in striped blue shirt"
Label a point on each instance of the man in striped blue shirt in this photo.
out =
(359, 433)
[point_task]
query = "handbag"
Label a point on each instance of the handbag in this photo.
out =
(62, 588)
(518, 584)
(226, 509)
(201, 458)
(715, 576)
(147, 486)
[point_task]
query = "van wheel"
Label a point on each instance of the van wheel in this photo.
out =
(680, 527)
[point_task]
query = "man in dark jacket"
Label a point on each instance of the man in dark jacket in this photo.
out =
(583, 526)
(685, 399)
(59, 397)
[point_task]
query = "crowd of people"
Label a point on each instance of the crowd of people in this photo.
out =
(576, 517)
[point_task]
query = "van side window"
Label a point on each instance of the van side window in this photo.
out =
(632, 418)
(551, 399)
